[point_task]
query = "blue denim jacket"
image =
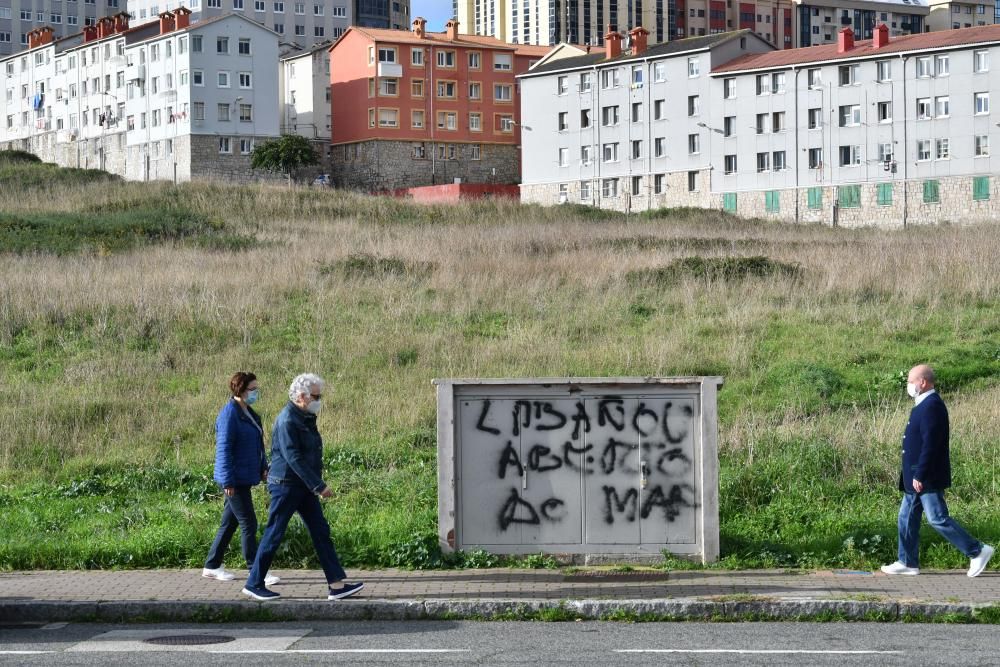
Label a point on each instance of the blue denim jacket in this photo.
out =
(239, 447)
(296, 449)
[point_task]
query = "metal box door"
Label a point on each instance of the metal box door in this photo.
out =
(611, 491)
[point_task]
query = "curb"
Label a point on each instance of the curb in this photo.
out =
(461, 609)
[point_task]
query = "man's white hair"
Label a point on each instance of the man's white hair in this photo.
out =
(303, 384)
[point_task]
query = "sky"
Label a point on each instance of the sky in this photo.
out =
(435, 11)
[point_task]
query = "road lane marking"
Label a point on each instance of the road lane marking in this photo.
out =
(352, 650)
(755, 651)
(24, 652)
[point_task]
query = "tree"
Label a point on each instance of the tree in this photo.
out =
(285, 155)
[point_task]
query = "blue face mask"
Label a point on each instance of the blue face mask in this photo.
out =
(252, 397)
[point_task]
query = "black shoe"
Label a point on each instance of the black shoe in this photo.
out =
(260, 594)
(344, 591)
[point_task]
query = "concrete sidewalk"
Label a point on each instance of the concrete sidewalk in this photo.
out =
(393, 594)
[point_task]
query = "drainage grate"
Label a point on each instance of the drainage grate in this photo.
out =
(189, 640)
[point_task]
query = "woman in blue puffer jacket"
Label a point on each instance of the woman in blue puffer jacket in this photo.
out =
(240, 464)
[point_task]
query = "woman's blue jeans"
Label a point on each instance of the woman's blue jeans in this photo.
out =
(237, 512)
(930, 503)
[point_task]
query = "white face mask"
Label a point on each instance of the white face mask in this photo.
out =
(315, 407)
(912, 390)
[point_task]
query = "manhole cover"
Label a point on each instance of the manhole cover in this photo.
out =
(189, 640)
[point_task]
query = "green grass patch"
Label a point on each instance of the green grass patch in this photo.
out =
(731, 269)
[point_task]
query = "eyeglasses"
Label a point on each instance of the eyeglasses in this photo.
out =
(316, 397)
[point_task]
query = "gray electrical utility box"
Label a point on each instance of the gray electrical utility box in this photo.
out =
(603, 468)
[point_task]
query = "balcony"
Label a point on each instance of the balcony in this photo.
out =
(393, 70)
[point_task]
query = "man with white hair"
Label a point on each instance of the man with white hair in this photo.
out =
(925, 474)
(296, 484)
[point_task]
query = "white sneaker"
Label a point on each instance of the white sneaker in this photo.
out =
(271, 579)
(219, 574)
(978, 564)
(899, 568)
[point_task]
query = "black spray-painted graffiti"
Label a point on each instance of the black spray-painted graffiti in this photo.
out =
(659, 428)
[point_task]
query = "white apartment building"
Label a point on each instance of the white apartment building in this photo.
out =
(954, 14)
(302, 22)
(888, 132)
(304, 91)
(164, 100)
(19, 17)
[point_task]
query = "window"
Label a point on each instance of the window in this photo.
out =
(609, 78)
(386, 54)
(222, 82)
(562, 121)
(503, 92)
(980, 188)
(815, 198)
(941, 66)
(198, 110)
(659, 147)
(692, 181)
(609, 187)
(475, 152)
(924, 149)
(884, 70)
(850, 155)
(503, 61)
(763, 162)
(815, 119)
(475, 60)
(563, 157)
(447, 120)
(389, 87)
(417, 57)
(505, 123)
(778, 83)
(982, 145)
(761, 123)
(923, 108)
(729, 202)
(884, 110)
(446, 59)
(586, 155)
(931, 192)
(585, 191)
(658, 109)
(223, 111)
(849, 196)
(772, 201)
(728, 126)
(883, 194)
(225, 145)
(943, 149)
(417, 88)
(885, 152)
(446, 89)
(659, 182)
(388, 118)
(778, 160)
(924, 67)
(694, 105)
(694, 144)
(636, 185)
(475, 90)
(763, 84)
(637, 112)
(585, 82)
(222, 45)
(585, 118)
(815, 77)
(942, 107)
(982, 103)
(637, 76)
(318, 10)
(246, 113)
(609, 116)
(982, 61)
(730, 164)
(729, 89)
(850, 115)
(417, 119)
(659, 71)
(609, 153)
(562, 85)
(848, 74)
(693, 68)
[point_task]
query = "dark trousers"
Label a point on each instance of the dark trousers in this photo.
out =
(237, 512)
(286, 500)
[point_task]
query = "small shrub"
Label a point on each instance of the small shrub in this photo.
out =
(363, 265)
(486, 325)
(18, 157)
(729, 269)
(405, 357)
(420, 552)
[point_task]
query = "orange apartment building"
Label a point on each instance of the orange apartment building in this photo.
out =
(414, 108)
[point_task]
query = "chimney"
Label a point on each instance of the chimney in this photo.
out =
(451, 28)
(640, 39)
(32, 38)
(612, 44)
(121, 21)
(845, 40)
(419, 27)
(881, 36)
(89, 33)
(44, 35)
(182, 18)
(105, 27)
(166, 22)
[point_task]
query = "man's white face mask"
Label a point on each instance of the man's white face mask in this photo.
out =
(912, 390)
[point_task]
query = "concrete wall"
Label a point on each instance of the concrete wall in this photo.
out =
(579, 466)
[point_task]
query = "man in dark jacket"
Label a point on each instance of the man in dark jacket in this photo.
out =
(925, 474)
(296, 484)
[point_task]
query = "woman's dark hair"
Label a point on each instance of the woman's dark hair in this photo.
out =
(240, 381)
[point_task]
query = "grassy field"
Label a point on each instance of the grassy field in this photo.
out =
(125, 307)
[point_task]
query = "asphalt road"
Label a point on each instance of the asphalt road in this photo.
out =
(503, 643)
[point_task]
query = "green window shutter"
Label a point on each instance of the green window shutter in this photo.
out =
(729, 202)
(981, 188)
(931, 195)
(815, 197)
(850, 196)
(772, 201)
(885, 194)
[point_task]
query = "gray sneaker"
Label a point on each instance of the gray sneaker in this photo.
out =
(978, 564)
(900, 568)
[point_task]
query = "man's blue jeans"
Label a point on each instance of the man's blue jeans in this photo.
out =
(286, 500)
(932, 503)
(238, 511)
